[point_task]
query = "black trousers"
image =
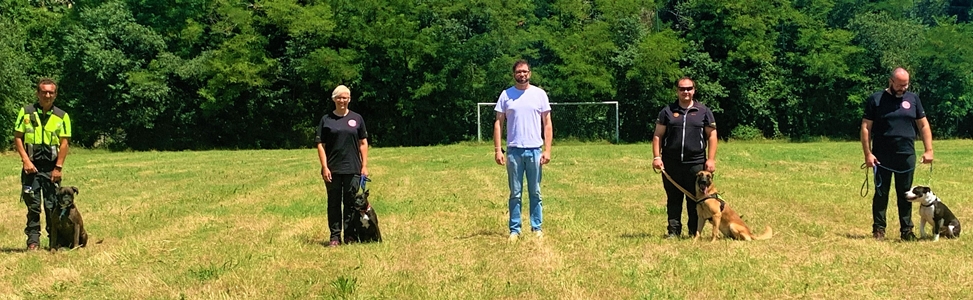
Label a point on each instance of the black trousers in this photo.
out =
(341, 191)
(685, 176)
(36, 188)
(901, 167)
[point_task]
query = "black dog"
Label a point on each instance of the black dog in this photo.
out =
(366, 221)
(67, 227)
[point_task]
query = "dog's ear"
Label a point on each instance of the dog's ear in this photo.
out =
(75, 189)
(365, 193)
(924, 189)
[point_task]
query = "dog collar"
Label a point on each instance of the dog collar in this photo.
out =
(930, 204)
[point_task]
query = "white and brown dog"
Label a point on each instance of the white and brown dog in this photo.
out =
(934, 211)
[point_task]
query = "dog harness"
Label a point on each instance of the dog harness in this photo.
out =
(713, 196)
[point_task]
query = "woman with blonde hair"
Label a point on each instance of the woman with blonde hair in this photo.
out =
(342, 144)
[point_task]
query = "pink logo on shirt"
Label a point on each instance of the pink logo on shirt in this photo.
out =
(352, 123)
(906, 105)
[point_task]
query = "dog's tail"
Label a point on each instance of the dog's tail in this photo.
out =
(768, 233)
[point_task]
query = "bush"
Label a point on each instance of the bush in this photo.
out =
(746, 133)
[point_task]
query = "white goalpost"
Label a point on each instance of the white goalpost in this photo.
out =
(479, 125)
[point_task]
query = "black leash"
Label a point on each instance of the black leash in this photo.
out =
(864, 189)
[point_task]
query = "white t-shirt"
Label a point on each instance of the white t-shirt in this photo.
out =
(523, 109)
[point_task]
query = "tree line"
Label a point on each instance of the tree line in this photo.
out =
(201, 74)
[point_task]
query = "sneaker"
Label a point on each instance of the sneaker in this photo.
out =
(539, 234)
(513, 237)
(32, 247)
(909, 236)
(878, 234)
(334, 244)
(672, 236)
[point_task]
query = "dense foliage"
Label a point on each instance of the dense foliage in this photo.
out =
(195, 74)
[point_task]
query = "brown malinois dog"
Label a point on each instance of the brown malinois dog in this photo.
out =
(711, 208)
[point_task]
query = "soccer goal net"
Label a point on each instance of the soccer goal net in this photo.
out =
(586, 121)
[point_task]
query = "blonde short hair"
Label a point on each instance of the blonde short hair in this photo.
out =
(340, 89)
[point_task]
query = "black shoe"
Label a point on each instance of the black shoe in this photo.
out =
(909, 236)
(672, 236)
(879, 234)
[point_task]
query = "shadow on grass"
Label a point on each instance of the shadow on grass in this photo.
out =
(857, 236)
(327, 242)
(13, 250)
(317, 241)
(483, 233)
(640, 235)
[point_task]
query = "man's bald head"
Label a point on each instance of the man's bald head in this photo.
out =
(900, 73)
(898, 82)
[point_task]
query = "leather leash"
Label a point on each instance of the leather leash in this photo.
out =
(684, 191)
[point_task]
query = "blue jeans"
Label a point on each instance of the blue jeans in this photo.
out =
(519, 162)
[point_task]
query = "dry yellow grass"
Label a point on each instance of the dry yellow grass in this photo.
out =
(252, 225)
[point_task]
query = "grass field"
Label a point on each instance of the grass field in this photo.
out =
(252, 225)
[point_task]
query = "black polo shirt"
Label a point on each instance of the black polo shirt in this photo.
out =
(685, 138)
(341, 136)
(893, 122)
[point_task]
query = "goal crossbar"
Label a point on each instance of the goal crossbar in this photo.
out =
(479, 125)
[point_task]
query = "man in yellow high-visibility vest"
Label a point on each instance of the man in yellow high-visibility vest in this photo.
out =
(41, 136)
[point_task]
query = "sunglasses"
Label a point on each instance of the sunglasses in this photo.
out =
(686, 88)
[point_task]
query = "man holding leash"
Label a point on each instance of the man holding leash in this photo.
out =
(684, 143)
(41, 136)
(529, 113)
(888, 133)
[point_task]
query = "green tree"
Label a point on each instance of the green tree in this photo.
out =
(106, 54)
(947, 90)
(27, 39)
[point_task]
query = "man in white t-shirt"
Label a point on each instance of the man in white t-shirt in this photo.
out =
(528, 112)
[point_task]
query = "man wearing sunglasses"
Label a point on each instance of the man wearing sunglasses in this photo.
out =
(684, 143)
(41, 136)
(888, 132)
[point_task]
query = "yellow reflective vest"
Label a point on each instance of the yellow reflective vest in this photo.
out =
(43, 130)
